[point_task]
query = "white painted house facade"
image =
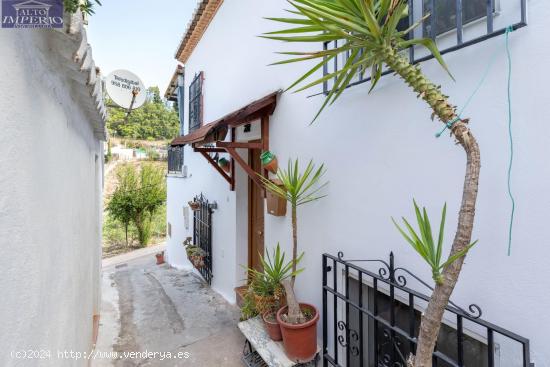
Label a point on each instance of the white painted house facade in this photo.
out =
(51, 178)
(380, 151)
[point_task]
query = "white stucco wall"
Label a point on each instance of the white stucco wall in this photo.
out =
(380, 152)
(50, 190)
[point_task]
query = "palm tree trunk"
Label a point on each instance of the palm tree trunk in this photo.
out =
(432, 317)
(294, 243)
(295, 315)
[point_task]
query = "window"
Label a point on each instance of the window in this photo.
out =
(181, 102)
(195, 102)
(475, 351)
(175, 160)
(445, 14)
(445, 20)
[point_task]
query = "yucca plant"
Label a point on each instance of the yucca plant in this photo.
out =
(298, 189)
(373, 41)
(423, 241)
(275, 267)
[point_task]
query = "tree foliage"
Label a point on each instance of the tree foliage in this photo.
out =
(140, 193)
(153, 121)
(86, 6)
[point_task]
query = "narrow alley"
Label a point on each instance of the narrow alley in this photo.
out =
(167, 316)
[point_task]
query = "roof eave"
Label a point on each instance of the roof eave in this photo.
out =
(201, 19)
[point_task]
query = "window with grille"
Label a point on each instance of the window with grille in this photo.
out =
(445, 14)
(447, 17)
(175, 160)
(195, 102)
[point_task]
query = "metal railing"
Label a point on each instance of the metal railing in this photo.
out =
(433, 28)
(202, 234)
(371, 318)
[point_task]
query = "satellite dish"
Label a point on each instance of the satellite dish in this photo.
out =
(125, 89)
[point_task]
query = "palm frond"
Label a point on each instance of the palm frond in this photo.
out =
(423, 243)
(367, 29)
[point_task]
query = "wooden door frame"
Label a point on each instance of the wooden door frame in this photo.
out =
(250, 203)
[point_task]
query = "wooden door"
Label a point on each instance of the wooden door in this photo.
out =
(255, 214)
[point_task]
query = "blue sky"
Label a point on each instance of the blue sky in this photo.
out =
(141, 36)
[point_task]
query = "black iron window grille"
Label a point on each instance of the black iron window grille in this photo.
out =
(202, 234)
(196, 102)
(447, 17)
(175, 160)
(372, 318)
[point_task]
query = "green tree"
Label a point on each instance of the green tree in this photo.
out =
(85, 6)
(368, 29)
(137, 198)
(121, 205)
(153, 121)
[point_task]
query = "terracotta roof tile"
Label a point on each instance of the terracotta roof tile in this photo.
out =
(205, 12)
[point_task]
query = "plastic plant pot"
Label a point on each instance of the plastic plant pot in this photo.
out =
(300, 340)
(272, 326)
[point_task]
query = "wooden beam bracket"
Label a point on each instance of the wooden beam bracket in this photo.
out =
(225, 144)
(229, 179)
(249, 171)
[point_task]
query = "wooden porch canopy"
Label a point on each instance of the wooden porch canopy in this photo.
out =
(215, 133)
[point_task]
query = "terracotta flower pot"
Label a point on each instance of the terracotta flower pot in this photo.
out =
(160, 258)
(300, 341)
(272, 326)
(225, 164)
(194, 205)
(269, 161)
(197, 261)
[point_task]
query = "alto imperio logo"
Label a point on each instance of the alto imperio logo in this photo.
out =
(32, 14)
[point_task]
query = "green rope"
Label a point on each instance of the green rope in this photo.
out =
(509, 96)
(449, 124)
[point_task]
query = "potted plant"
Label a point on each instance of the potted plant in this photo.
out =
(298, 321)
(248, 308)
(160, 257)
(269, 295)
(269, 161)
(196, 255)
(194, 205)
(272, 325)
(225, 164)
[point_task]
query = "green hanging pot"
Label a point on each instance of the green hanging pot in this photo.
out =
(224, 164)
(269, 161)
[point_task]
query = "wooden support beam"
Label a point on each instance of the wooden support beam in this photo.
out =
(209, 150)
(217, 167)
(265, 142)
(233, 135)
(265, 132)
(251, 173)
(225, 144)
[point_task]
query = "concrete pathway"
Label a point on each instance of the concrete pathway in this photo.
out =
(166, 317)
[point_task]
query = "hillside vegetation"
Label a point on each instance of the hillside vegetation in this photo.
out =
(153, 121)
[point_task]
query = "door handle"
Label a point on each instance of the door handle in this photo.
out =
(260, 233)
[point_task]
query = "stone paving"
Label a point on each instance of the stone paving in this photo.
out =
(148, 308)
